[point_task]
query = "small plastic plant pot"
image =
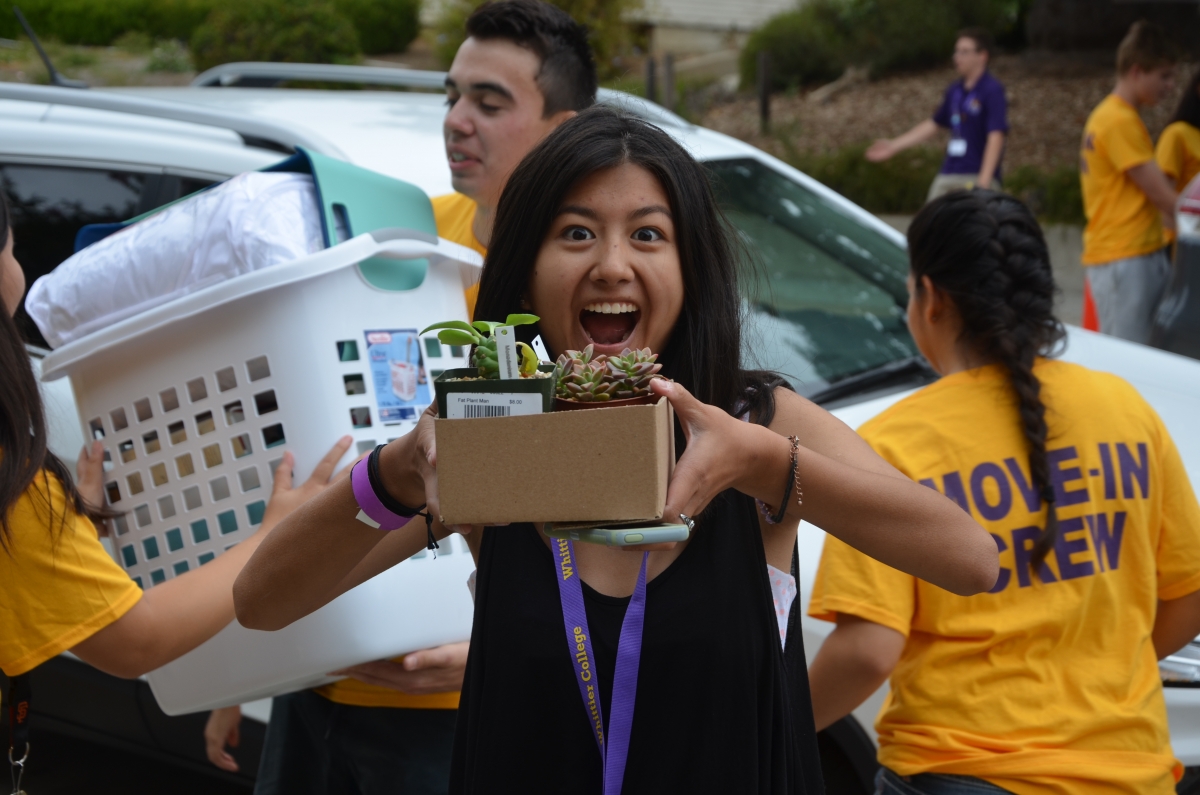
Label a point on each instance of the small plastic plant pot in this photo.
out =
(451, 381)
(566, 404)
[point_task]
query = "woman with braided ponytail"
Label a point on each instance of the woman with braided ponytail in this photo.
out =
(1048, 683)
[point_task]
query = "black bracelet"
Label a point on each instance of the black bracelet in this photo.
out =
(389, 502)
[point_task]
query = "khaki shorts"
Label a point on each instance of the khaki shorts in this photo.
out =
(948, 183)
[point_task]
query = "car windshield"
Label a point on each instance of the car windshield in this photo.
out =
(826, 299)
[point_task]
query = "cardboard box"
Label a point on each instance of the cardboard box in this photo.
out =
(600, 465)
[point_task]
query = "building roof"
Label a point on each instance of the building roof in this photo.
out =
(739, 15)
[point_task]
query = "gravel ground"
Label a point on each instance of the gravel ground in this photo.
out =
(1050, 97)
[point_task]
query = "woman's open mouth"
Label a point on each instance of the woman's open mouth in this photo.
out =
(609, 323)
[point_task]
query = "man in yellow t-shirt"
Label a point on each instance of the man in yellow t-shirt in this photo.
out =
(1126, 198)
(524, 69)
(1048, 684)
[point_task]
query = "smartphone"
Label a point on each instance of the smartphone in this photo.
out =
(624, 536)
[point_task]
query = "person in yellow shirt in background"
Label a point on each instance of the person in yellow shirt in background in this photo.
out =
(1178, 150)
(1048, 683)
(1126, 197)
(59, 588)
(524, 69)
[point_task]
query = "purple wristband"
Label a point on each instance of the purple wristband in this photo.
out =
(372, 511)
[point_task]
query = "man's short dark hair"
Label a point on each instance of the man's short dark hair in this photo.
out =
(1146, 45)
(982, 38)
(567, 77)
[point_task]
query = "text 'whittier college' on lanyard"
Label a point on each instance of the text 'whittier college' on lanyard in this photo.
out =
(614, 746)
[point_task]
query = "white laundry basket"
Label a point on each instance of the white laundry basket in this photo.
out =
(196, 401)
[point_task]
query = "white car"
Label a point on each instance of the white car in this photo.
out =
(827, 310)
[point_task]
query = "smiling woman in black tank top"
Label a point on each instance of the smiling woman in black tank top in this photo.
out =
(610, 215)
(609, 233)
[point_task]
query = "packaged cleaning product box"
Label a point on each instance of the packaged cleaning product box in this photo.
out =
(598, 466)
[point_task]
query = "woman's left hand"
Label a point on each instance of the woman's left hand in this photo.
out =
(89, 474)
(713, 460)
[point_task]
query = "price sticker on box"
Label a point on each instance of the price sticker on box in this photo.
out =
(471, 405)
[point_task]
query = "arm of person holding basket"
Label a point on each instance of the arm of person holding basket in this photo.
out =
(175, 617)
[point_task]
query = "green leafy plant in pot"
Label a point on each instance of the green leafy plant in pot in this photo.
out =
(484, 375)
(590, 380)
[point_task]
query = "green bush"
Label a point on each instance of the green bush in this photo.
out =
(821, 38)
(805, 46)
(1056, 197)
(898, 185)
(101, 22)
(610, 36)
(382, 25)
(297, 31)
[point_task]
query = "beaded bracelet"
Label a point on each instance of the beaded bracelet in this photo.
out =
(793, 483)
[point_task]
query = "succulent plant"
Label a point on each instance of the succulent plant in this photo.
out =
(479, 334)
(588, 377)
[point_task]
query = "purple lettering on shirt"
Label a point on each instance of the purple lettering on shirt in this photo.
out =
(1106, 540)
(1005, 575)
(1132, 469)
(1033, 500)
(1061, 477)
(1023, 540)
(1065, 547)
(1110, 480)
(980, 474)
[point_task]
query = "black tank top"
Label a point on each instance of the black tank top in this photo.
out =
(718, 709)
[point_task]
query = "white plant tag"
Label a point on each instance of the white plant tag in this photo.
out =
(506, 351)
(539, 348)
(471, 405)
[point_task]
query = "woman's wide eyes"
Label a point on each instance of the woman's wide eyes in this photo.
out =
(644, 235)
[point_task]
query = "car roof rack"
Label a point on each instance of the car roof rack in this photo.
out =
(267, 74)
(258, 133)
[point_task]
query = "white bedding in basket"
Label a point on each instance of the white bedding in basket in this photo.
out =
(251, 222)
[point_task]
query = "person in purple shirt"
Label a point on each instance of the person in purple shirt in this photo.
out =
(975, 112)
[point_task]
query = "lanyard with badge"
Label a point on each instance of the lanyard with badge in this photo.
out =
(614, 747)
(959, 101)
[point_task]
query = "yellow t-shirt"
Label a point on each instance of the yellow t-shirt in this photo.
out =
(1049, 683)
(1178, 155)
(58, 587)
(1121, 220)
(454, 214)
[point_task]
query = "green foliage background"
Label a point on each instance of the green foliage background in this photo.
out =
(817, 41)
(899, 185)
(297, 31)
(381, 25)
(610, 35)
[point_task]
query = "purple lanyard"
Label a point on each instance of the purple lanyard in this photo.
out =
(960, 101)
(629, 652)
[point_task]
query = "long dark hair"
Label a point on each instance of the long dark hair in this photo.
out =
(24, 454)
(1189, 104)
(986, 250)
(703, 353)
